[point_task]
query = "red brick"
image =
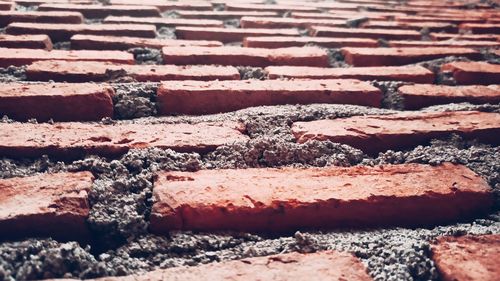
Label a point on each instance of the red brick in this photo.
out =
(96, 42)
(102, 11)
(467, 258)
(346, 15)
(6, 6)
(71, 139)
(26, 41)
(103, 71)
(453, 20)
(198, 97)
(39, 2)
(415, 74)
(280, 22)
(223, 15)
(431, 26)
(321, 16)
(481, 28)
(57, 101)
(18, 57)
(418, 96)
(352, 7)
(402, 56)
(268, 8)
(447, 43)
(228, 35)
(169, 22)
(40, 17)
(327, 42)
(63, 32)
(163, 5)
(391, 34)
(469, 73)
(52, 205)
(452, 36)
(376, 133)
(305, 56)
(289, 199)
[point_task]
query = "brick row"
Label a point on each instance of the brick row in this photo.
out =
(228, 35)
(373, 33)
(469, 73)
(452, 20)
(40, 2)
(102, 11)
(166, 5)
(327, 42)
(431, 26)
(481, 28)
(6, 6)
(279, 22)
(223, 15)
(168, 22)
(347, 15)
(268, 8)
(289, 199)
(26, 41)
(96, 42)
(40, 17)
(453, 36)
(446, 43)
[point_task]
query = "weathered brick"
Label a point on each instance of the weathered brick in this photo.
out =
(167, 5)
(228, 35)
(18, 57)
(446, 43)
(481, 28)
(57, 101)
(453, 20)
(6, 6)
(63, 32)
(415, 74)
(470, 73)
(104, 71)
(223, 15)
(452, 36)
(346, 15)
(52, 205)
(25, 41)
(289, 199)
(305, 56)
(376, 133)
(373, 33)
(40, 17)
(327, 42)
(96, 42)
(40, 2)
(198, 97)
(102, 11)
(72, 139)
(336, 6)
(431, 26)
(168, 22)
(280, 22)
(402, 56)
(467, 258)
(418, 96)
(268, 8)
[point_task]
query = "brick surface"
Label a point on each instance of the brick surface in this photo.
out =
(40, 17)
(6, 6)
(268, 8)
(415, 74)
(63, 32)
(467, 73)
(71, 139)
(402, 56)
(453, 20)
(20, 57)
(57, 101)
(280, 22)
(40, 2)
(26, 41)
(373, 33)
(223, 15)
(289, 199)
(376, 133)
(167, 5)
(104, 71)
(102, 11)
(52, 205)
(346, 15)
(481, 28)
(431, 26)
(168, 22)
(327, 42)
(446, 43)
(197, 97)
(467, 258)
(228, 35)
(306, 56)
(478, 37)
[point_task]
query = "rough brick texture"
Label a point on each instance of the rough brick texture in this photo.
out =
(228, 35)
(7, 17)
(327, 42)
(101, 11)
(372, 33)
(468, 73)
(170, 22)
(26, 41)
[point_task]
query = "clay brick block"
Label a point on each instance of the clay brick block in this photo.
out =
(51, 205)
(402, 56)
(103, 71)
(223, 15)
(25, 41)
(57, 101)
(95, 42)
(63, 32)
(305, 56)
(198, 97)
(327, 42)
(481, 28)
(6, 6)
(446, 43)
(228, 35)
(268, 8)
(71, 139)
(40, 17)
(280, 22)
(40, 2)
(469, 73)
(18, 57)
(167, 5)
(418, 96)
(467, 258)
(373, 33)
(168, 22)
(102, 11)
(431, 26)
(471, 37)
(346, 15)
(415, 74)
(452, 20)
(289, 199)
(376, 133)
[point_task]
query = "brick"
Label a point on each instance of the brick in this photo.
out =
(346, 15)
(402, 56)
(63, 32)
(418, 96)
(102, 11)
(327, 42)
(376, 133)
(431, 26)
(25, 41)
(198, 97)
(71, 140)
(223, 15)
(305, 56)
(96, 42)
(352, 7)
(167, 5)
(268, 8)
(321, 16)
(453, 20)
(50, 205)
(228, 35)
(168, 22)
(467, 258)
(40, 2)
(104, 71)
(447, 43)
(452, 36)
(469, 73)
(40, 17)
(481, 28)
(276, 200)
(280, 22)
(373, 33)
(19, 57)
(6, 6)
(57, 101)
(416, 74)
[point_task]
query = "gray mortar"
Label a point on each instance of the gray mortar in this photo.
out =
(133, 100)
(166, 33)
(146, 55)
(63, 45)
(435, 66)
(391, 98)
(336, 58)
(13, 74)
(248, 72)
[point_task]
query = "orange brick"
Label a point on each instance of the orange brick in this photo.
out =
(40, 17)
(447, 43)
(431, 26)
(159, 22)
(453, 20)
(102, 11)
(373, 33)
(268, 8)
(223, 15)
(25, 41)
(228, 35)
(469, 73)
(167, 5)
(327, 42)
(280, 22)
(452, 36)
(481, 28)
